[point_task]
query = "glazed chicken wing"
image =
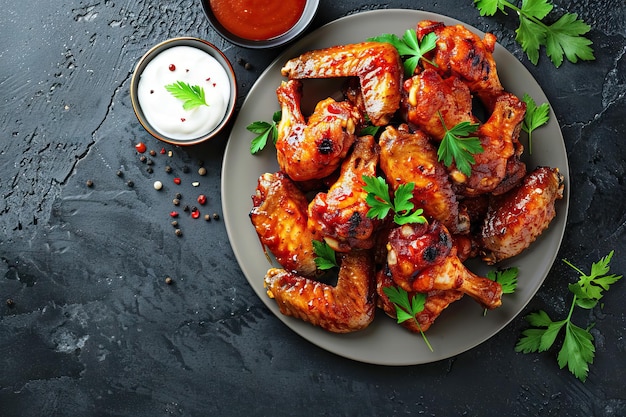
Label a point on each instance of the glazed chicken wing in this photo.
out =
(410, 157)
(427, 98)
(436, 302)
(515, 220)
(462, 53)
(313, 149)
(499, 137)
(446, 272)
(377, 65)
(340, 215)
(347, 307)
(280, 219)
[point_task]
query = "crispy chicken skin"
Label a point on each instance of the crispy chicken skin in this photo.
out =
(427, 98)
(411, 157)
(280, 219)
(347, 307)
(313, 149)
(464, 54)
(515, 220)
(499, 137)
(436, 302)
(377, 65)
(339, 216)
(434, 267)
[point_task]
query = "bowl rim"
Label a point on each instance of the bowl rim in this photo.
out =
(308, 14)
(203, 45)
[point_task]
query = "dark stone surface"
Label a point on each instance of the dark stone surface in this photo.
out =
(94, 329)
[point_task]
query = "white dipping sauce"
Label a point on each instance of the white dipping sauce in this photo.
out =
(164, 112)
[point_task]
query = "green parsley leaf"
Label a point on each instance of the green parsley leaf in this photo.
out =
(459, 147)
(407, 309)
(326, 257)
(578, 350)
(381, 204)
(565, 37)
(410, 48)
(265, 131)
(507, 278)
(192, 96)
(534, 118)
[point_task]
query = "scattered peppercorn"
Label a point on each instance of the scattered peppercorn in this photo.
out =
(173, 214)
(178, 232)
(179, 196)
(162, 151)
(169, 280)
(175, 223)
(141, 147)
(195, 213)
(89, 183)
(186, 209)
(168, 169)
(207, 217)
(216, 216)
(149, 170)
(10, 303)
(119, 173)
(130, 183)
(202, 171)
(195, 183)
(170, 153)
(152, 152)
(177, 181)
(202, 199)
(143, 158)
(158, 185)
(149, 161)
(176, 202)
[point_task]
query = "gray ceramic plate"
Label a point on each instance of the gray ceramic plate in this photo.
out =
(462, 326)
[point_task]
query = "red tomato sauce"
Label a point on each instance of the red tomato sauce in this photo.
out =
(257, 19)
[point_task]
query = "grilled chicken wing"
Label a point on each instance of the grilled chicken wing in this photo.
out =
(340, 215)
(436, 302)
(515, 220)
(462, 53)
(410, 157)
(441, 270)
(499, 137)
(349, 306)
(427, 98)
(313, 149)
(280, 219)
(377, 65)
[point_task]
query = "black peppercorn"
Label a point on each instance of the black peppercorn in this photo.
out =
(168, 169)
(130, 183)
(89, 183)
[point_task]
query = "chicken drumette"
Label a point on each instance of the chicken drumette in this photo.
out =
(314, 148)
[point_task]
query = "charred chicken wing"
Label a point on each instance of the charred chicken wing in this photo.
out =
(347, 307)
(377, 65)
(427, 98)
(313, 149)
(515, 220)
(462, 53)
(499, 137)
(340, 215)
(280, 219)
(429, 265)
(410, 157)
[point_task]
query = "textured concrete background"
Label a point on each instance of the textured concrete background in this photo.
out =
(95, 331)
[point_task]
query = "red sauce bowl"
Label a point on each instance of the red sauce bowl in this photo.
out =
(259, 26)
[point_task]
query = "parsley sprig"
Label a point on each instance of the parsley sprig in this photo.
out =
(325, 255)
(459, 146)
(381, 203)
(410, 48)
(578, 350)
(192, 96)
(507, 278)
(407, 308)
(562, 38)
(264, 131)
(536, 116)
